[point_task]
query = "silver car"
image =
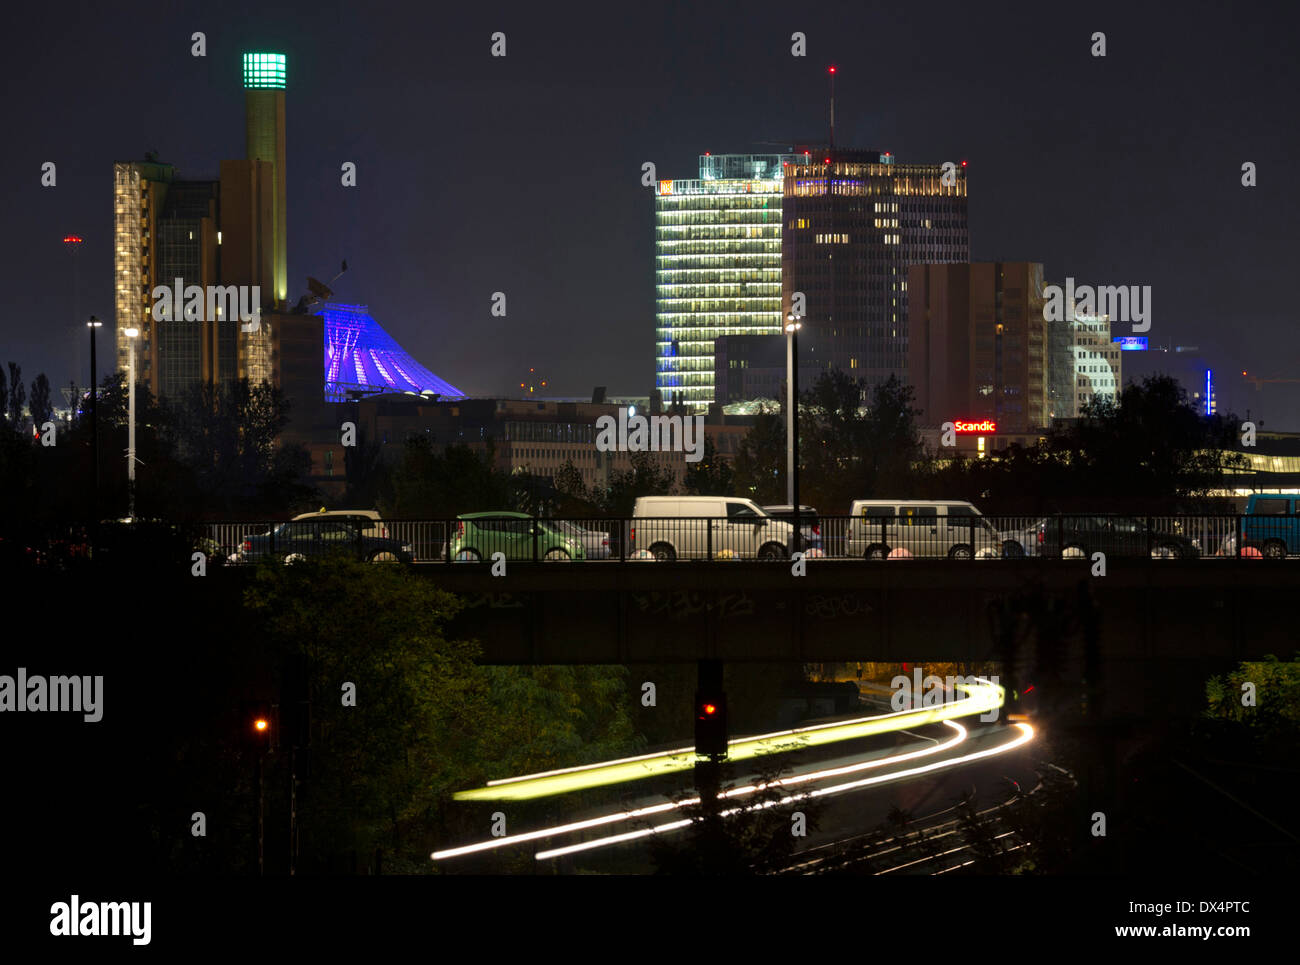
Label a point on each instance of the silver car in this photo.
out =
(595, 543)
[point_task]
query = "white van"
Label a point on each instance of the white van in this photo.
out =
(949, 528)
(704, 527)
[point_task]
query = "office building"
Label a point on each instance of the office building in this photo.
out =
(853, 223)
(717, 267)
(977, 344)
(1084, 363)
(225, 234)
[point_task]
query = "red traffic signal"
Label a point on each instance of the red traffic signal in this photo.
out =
(711, 725)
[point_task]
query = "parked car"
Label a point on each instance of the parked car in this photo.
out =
(1030, 536)
(700, 527)
(314, 538)
(595, 542)
(935, 528)
(1271, 525)
(479, 535)
(369, 518)
(1081, 536)
(810, 523)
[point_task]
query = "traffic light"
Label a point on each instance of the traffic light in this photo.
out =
(711, 724)
(258, 725)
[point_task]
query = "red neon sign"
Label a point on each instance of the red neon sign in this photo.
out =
(988, 425)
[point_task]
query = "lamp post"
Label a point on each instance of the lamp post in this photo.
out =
(94, 325)
(131, 334)
(792, 326)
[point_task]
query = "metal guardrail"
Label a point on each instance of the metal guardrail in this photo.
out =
(917, 534)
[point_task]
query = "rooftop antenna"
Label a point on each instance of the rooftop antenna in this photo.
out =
(832, 73)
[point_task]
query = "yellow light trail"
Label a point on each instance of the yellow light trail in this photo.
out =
(981, 697)
(1026, 735)
(671, 805)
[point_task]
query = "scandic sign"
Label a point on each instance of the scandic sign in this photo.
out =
(988, 425)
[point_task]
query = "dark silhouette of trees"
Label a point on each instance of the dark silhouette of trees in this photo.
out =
(40, 404)
(760, 461)
(710, 476)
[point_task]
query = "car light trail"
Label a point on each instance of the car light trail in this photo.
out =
(1026, 735)
(671, 805)
(981, 697)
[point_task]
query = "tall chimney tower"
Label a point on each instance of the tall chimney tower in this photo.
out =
(264, 76)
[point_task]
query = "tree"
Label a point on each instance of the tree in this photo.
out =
(645, 478)
(17, 397)
(1147, 449)
(893, 445)
(430, 484)
(366, 472)
(710, 476)
(759, 467)
(227, 434)
(759, 839)
(41, 407)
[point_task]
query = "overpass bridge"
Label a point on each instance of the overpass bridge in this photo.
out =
(848, 610)
(1137, 641)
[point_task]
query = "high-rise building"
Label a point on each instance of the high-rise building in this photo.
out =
(139, 188)
(717, 267)
(854, 221)
(225, 234)
(976, 343)
(1084, 363)
(165, 229)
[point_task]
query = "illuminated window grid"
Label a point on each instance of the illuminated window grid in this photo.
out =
(718, 270)
(264, 71)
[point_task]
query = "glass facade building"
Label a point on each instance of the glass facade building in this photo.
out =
(717, 267)
(855, 221)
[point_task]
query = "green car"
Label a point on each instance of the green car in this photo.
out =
(479, 535)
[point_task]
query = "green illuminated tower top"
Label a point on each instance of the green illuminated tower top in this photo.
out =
(264, 75)
(264, 70)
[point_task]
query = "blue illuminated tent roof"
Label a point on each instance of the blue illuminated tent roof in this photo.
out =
(361, 356)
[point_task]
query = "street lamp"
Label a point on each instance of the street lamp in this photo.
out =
(792, 326)
(131, 334)
(94, 325)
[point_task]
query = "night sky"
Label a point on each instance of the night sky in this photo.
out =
(479, 174)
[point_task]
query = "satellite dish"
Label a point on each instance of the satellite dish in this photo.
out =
(319, 288)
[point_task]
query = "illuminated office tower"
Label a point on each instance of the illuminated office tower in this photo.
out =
(854, 222)
(163, 229)
(717, 267)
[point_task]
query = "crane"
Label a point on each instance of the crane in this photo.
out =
(1259, 382)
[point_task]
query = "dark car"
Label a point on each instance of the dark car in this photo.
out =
(315, 538)
(1081, 536)
(810, 524)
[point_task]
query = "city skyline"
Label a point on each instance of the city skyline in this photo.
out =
(496, 193)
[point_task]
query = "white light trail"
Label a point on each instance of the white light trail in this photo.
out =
(1026, 735)
(671, 805)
